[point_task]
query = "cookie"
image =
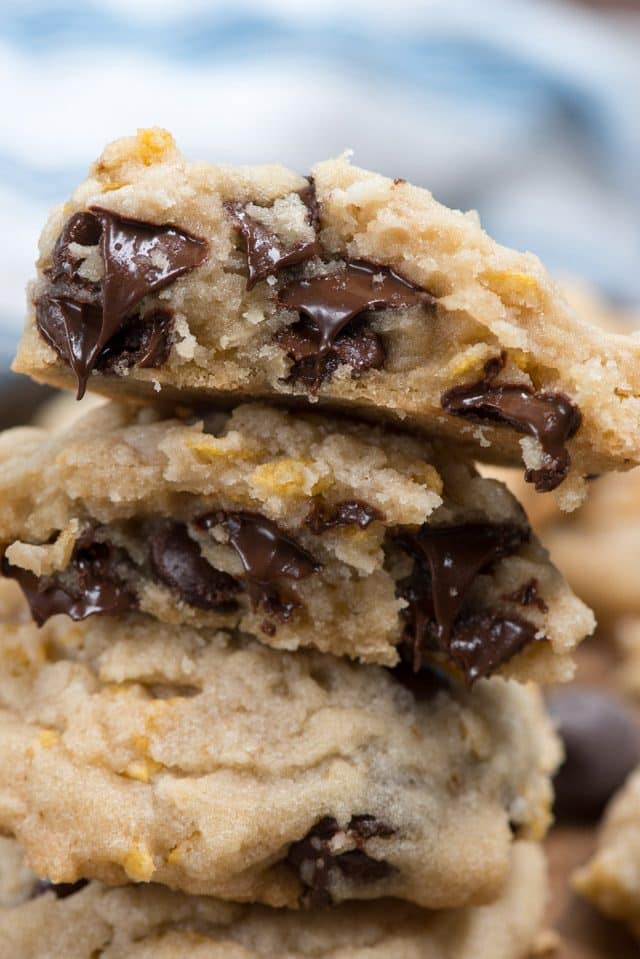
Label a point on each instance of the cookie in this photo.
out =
(302, 530)
(142, 752)
(141, 922)
(168, 279)
(611, 879)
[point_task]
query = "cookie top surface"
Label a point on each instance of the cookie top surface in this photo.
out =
(142, 752)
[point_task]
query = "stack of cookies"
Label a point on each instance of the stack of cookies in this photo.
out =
(269, 639)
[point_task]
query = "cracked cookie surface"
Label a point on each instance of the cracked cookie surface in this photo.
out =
(140, 752)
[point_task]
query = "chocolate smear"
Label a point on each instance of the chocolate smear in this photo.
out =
(90, 584)
(601, 738)
(77, 317)
(318, 867)
(331, 301)
(266, 252)
(268, 555)
(357, 346)
(348, 513)
(551, 418)
(177, 562)
(62, 890)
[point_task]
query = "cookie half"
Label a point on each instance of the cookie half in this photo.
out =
(142, 752)
(165, 279)
(302, 530)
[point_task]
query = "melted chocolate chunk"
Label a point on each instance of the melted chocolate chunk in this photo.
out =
(62, 890)
(79, 318)
(481, 643)
(358, 346)
(84, 229)
(317, 865)
(601, 737)
(347, 513)
(550, 418)
(143, 341)
(268, 555)
(528, 595)
(90, 584)
(266, 253)
(424, 684)
(452, 557)
(177, 562)
(328, 303)
(72, 328)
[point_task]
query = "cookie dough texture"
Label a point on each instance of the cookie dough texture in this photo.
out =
(487, 299)
(611, 879)
(141, 752)
(148, 922)
(118, 468)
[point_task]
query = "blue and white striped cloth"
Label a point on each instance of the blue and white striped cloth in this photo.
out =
(528, 110)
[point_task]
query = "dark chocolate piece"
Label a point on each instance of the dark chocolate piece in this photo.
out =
(72, 328)
(62, 890)
(357, 346)
(268, 555)
(482, 642)
(347, 513)
(177, 562)
(601, 738)
(331, 301)
(142, 341)
(139, 258)
(79, 318)
(550, 417)
(316, 864)
(90, 584)
(528, 595)
(451, 557)
(266, 253)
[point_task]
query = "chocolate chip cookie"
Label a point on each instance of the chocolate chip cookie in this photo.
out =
(164, 278)
(300, 529)
(140, 922)
(137, 751)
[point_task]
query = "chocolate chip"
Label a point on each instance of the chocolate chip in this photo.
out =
(448, 559)
(348, 513)
(426, 683)
(142, 341)
(329, 302)
(79, 318)
(482, 642)
(267, 554)
(318, 867)
(62, 890)
(550, 417)
(177, 562)
(357, 346)
(266, 253)
(528, 595)
(601, 738)
(90, 584)
(72, 329)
